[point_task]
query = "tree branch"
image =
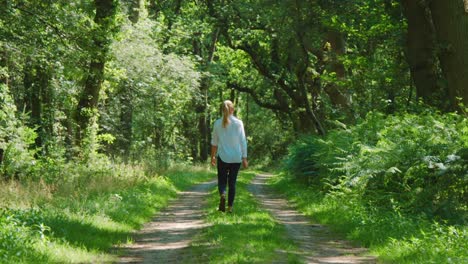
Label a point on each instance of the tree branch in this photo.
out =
(62, 35)
(257, 99)
(263, 70)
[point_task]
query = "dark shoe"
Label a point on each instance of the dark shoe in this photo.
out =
(229, 210)
(222, 203)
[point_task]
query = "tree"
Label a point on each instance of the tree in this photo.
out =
(105, 24)
(451, 25)
(3, 83)
(282, 61)
(150, 95)
(37, 37)
(311, 59)
(199, 39)
(437, 38)
(201, 107)
(421, 52)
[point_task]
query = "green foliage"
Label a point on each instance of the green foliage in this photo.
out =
(15, 140)
(377, 73)
(301, 161)
(412, 163)
(437, 244)
(17, 238)
(394, 237)
(149, 94)
(396, 183)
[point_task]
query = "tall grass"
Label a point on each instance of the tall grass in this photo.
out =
(80, 217)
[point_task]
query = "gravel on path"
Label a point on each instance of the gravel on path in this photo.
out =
(316, 244)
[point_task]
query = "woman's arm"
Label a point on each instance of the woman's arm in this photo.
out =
(214, 144)
(243, 142)
(214, 149)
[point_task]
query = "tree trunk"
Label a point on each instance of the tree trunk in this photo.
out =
(200, 107)
(203, 123)
(36, 104)
(32, 101)
(191, 134)
(338, 97)
(134, 10)
(203, 130)
(28, 83)
(44, 75)
(36, 83)
(87, 105)
(170, 17)
(153, 8)
(3, 79)
(3, 65)
(421, 52)
(90, 96)
(126, 120)
(451, 25)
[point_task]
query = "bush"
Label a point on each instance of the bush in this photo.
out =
(15, 140)
(408, 163)
(18, 234)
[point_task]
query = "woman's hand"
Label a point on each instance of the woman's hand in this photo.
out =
(213, 161)
(245, 163)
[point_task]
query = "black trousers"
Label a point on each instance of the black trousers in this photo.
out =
(227, 175)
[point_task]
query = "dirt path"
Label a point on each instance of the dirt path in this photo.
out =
(167, 238)
(316, 243)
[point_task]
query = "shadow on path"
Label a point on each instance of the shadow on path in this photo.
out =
(315, 242)
(167, 237)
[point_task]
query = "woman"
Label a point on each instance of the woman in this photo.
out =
(229, 146)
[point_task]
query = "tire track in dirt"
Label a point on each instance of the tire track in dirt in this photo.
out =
(315, 242)
(166, 239)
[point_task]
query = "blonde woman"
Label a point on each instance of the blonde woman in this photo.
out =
(228, 151)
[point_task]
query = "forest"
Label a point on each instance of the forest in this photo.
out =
(359, 108)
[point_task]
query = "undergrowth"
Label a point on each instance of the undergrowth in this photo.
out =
(79, 218)
(395, 183)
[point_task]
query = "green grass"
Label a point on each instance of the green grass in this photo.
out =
(79, 219)
(248, 235)
(392, 236)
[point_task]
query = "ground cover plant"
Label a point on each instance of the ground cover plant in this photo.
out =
(395, 183)
(79, 219)
(248, 235)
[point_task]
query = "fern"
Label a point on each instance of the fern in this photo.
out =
(418, 162)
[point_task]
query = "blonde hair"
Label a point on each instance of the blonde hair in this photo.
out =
(226, 108)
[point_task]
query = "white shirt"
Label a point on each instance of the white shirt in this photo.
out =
(231, 141)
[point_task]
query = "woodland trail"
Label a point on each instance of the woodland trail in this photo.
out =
(167, 238)
(316, 244)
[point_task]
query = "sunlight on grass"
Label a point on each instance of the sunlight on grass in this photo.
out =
(80, 218)
(249, 235)
(25, 194)
(59, 252)
(393, 237)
